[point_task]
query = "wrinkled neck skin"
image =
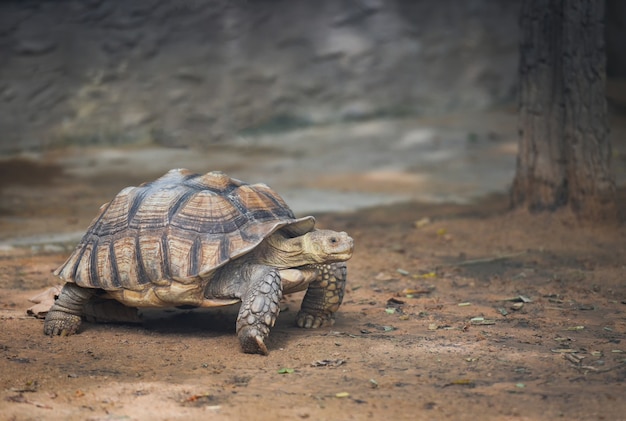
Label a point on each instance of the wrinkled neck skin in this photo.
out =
(283, 252)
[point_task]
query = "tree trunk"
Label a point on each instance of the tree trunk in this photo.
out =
(564, 149)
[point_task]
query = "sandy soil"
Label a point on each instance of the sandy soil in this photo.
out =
(452, 312)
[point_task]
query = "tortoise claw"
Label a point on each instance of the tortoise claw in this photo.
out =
(313, 321)
(252, 341)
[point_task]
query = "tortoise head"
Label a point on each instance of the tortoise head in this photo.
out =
(326, 246)
(317, 246)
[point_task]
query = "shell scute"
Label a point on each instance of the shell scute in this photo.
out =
(151, 254)
(179, 249)
(115, 217)
(122, 251)
(207, 212)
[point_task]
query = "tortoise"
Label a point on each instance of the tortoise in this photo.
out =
(209, 240)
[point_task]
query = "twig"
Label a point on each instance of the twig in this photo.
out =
(21, 399)
(597, 370)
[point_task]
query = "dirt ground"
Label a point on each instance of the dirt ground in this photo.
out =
(458, 312)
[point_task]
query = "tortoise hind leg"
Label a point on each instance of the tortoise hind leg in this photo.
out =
(259, 309)
(65, 315)
(323, 297)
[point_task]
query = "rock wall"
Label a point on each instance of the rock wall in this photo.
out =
(193, 72)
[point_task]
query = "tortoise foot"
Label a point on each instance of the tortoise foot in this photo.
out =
(313, 321)
(65, 315)
(59, 323)
(252, 341)
(259, 309)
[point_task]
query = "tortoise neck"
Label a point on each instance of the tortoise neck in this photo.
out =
(285, 252)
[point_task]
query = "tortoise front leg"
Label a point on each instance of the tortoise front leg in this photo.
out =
(324, 296)
(64, 316)
(259, 309)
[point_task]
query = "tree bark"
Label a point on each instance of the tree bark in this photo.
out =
(564, 148)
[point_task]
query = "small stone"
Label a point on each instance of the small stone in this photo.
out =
(517, 306)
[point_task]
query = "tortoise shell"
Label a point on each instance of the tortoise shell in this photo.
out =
(178, 229)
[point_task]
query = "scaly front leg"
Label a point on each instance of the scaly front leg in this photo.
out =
(259, 309)
(324, 296)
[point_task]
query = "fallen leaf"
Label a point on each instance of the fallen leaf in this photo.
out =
(460, 382)
(573, 358)
(394, 302)
(342, 395)
(201, 399)
(30, 386)
(16, 398)
(414, 291)
(43, 301)
(21, 399)
(382, 276)
(560, 339)
(328, 363)
(428, 275)
(286, 371)
(481, 321)
(380, 327)
(519, 298)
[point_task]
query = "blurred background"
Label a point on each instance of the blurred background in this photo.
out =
(338, 105)
(394, 120)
